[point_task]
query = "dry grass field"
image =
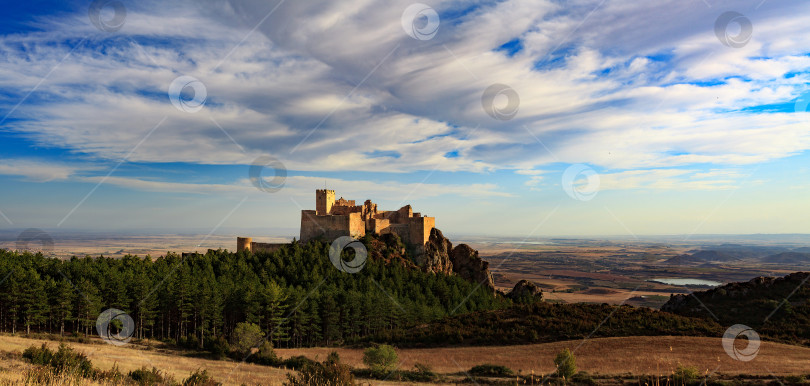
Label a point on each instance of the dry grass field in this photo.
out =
(105, 356)
(603, 357)
(128, 358)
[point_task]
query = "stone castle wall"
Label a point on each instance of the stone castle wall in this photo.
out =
(333, 218)
(330, 227)
(247, 243)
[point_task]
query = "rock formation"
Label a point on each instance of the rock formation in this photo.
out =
(436, 257)
(439, 256)
(469, 266)
(525, 289)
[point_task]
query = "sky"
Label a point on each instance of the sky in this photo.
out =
(500, 118)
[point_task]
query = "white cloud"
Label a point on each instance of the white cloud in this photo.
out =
(669, 179)
(321, 86)
(296, 186)
(36, 170)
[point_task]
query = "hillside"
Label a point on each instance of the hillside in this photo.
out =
(726, 253)
(793, 257)
(777, 308)
(547, 322)
(295, 294)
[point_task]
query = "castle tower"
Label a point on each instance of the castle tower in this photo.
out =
(324, 199)
(243, 243)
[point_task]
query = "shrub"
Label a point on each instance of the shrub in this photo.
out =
(144, 376)
(112, 376)
(490, 370)
(423, 369)
(64, 360)
(421, 373)
(298, 362)
(218, 347)
(38, 355)
(382, 358)
(266, 355)
(333, 357)
(200, 378)
(328, 373)
(685, 374)
(246, 336)
(583, 378)
(190, 342)
(566, 364)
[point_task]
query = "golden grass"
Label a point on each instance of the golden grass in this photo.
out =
(606, 356)
(603, 356)
(105, 356)
(131, 357)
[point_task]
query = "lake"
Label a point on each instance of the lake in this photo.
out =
(684, 282)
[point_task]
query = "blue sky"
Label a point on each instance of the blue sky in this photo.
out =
(609, 118)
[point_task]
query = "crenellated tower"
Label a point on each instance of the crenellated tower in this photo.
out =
(324, 199)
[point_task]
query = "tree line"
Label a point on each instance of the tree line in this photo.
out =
(294, 294)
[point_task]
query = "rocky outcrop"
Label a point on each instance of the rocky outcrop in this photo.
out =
(750, 303)
(436, 255)
(469, 266)
(525, 289)
(439, 256)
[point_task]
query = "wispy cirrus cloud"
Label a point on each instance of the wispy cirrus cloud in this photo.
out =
(38, 171)
(643, 92)
(589, 95)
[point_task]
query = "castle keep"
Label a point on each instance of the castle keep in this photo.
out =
(333, 218)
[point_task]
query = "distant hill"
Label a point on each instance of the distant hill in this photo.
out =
(730, 252)
(788, 258)
(705, 256)
(735, 252)
(777, 308)
(716, 256)
(684, 260)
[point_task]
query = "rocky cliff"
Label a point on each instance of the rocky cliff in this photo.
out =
(436, 257)
(439, 256)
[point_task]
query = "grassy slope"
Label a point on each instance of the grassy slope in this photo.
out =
(105, 356)
(605, 356)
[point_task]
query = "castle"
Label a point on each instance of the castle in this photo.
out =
(335, 218)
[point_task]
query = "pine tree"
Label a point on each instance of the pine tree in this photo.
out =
(62, 298)
(273, 307)
(34, 302)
